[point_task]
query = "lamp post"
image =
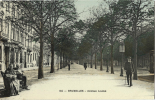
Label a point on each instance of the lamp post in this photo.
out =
(122, 50)
(107, 61)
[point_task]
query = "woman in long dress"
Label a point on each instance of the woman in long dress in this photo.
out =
(11, 82)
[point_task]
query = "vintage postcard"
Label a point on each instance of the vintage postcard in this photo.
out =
(77, 49)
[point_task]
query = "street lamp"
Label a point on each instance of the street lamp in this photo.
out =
(107, 61)
(122, 50)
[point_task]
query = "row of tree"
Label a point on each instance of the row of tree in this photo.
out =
(54, 24)
(50, 22)
(115, 21)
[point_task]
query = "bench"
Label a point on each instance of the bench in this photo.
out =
(6, 90)
(11, 86)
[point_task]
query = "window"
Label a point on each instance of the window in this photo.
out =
(33, 56)
(17, 57)
(13, 11)
(31, 41)
(0, 24)
(28, 58)
(22, 38)
(0, 66)
(25, 41)
(28, 41)
(2, 4)
(7, 28)
(12, 56)
(17, 34)
(18, 14)
(0, 53)
(20, 57)
(29, 29)
(7, 6)
(13, 32)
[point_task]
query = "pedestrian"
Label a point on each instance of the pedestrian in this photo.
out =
(85, 65)
(129, 70)
(68, 66)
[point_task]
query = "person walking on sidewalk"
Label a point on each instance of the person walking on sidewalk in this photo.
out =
(129, 69)
(85, 65)
(68, 66)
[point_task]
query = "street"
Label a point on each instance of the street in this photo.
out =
(85, 84)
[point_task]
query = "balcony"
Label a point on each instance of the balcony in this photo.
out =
(14, 42)
(21, 44)
(4, 36)
(35, 47)
(29, 49)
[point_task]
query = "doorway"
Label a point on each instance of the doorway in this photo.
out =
(24, 59)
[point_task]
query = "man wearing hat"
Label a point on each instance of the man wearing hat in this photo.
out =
(129, 69)
(85, 65)
(22, 77)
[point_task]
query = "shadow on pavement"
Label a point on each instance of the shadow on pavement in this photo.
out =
(147, 78)
(122, 85)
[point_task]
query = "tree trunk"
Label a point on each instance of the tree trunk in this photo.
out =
(40, 69)
(63, 61)
(95, 61)
(52, 53)
(66, 61)
(142, 61)
(101, 61)
(112, 70)
(91, 65)
(52, 49)
(58, 63)
(60, 60)
(135, 54)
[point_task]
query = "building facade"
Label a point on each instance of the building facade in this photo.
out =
(16, 45)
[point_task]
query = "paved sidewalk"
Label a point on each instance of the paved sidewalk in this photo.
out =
(85, 84)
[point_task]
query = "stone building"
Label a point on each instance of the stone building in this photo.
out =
(16, 45)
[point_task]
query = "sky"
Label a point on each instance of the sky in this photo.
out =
(84, 6)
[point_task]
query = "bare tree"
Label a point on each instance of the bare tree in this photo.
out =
(34, 15)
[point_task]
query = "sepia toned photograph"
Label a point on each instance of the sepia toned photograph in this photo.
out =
(77, 49)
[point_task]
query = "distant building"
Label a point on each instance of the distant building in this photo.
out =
(47, 57)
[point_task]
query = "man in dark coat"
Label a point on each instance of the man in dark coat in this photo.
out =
(22, 77)
(85, 65)
(68, 66)
(129, 69)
